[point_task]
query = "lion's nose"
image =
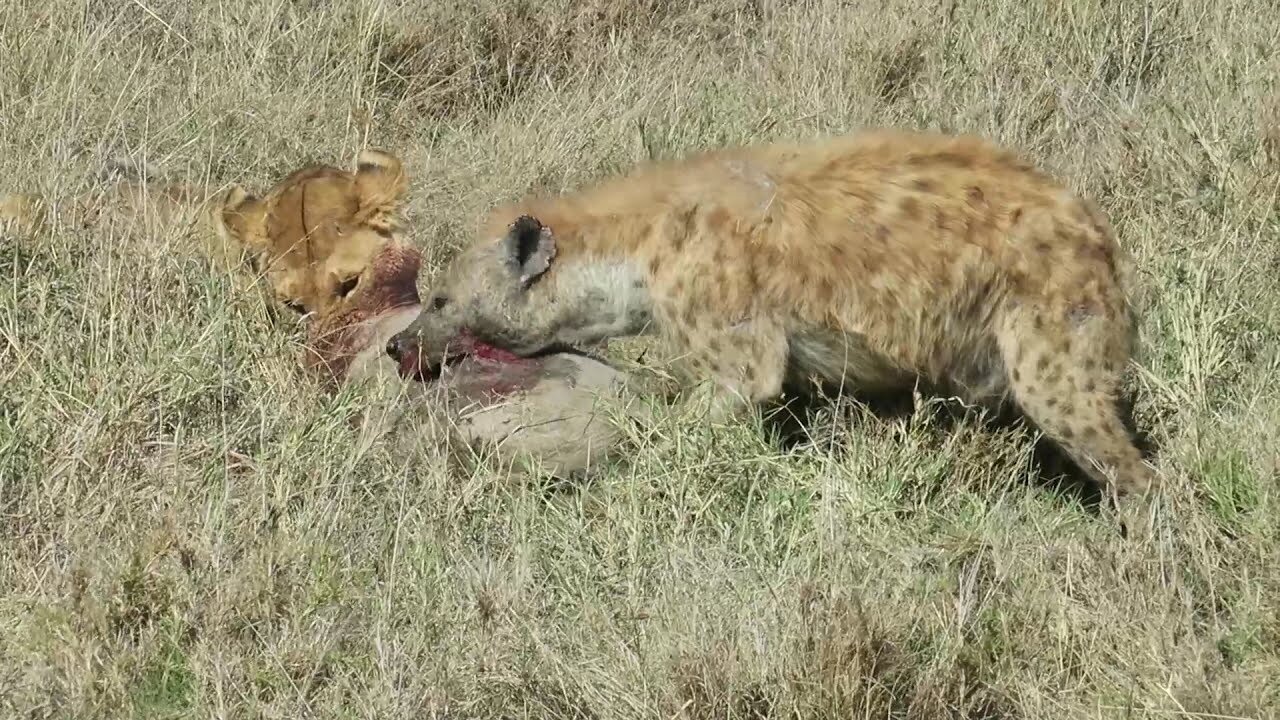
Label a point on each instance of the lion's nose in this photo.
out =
(393, 349)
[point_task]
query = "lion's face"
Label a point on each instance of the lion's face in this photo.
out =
(351, 338)
(315, 235)
(327, 244)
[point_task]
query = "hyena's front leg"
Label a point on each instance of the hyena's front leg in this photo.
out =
(747, 361)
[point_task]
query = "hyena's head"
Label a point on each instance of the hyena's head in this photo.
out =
(517, 293)
(492, 293)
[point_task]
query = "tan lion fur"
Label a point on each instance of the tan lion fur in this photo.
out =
(315, 233)
(312, 235)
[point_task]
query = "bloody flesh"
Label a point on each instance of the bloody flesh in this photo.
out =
(484, 351)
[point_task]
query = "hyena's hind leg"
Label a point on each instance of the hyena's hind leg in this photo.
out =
(1065, 369)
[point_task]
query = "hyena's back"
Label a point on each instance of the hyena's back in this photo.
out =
(911, 247)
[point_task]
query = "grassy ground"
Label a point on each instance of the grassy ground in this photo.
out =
(188, 530)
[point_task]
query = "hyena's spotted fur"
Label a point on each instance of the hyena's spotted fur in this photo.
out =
(866, 261)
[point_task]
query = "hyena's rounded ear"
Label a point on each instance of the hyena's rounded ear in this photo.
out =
(530, 248)
(380, 180)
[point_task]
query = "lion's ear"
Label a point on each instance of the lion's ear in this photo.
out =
(243, 217)
(240, 220)
(380, 180)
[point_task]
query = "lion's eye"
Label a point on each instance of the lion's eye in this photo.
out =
(296, 306)
(438, 302)
(346, 286)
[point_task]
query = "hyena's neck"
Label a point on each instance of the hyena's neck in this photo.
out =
(601, 298)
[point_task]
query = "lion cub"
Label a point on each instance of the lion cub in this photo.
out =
(866, 261)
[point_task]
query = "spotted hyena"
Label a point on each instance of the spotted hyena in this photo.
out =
(865, 261)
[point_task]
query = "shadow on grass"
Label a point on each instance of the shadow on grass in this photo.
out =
(791, 425)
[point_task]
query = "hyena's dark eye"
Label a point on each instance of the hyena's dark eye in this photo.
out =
(346, 286)
(438, 302)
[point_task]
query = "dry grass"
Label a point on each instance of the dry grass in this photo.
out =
(188, 530)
